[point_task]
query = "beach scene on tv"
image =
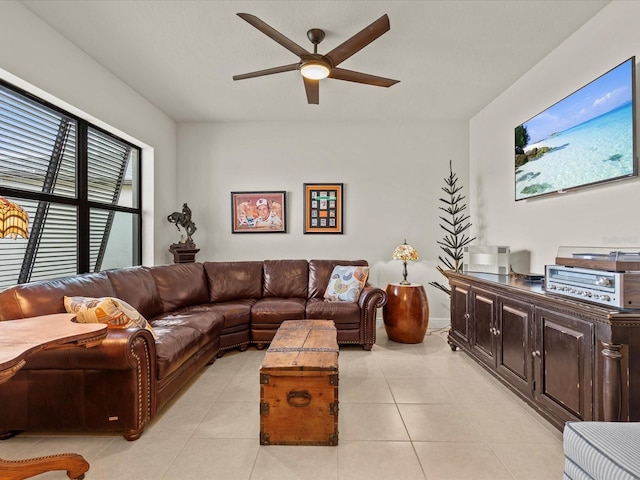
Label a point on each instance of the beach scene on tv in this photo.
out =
(585, 138)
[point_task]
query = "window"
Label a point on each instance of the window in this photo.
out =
(80, 186)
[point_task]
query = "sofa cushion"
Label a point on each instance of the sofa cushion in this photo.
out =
(346, 283)
(45, 297)
(174, 346)
(180, 336)
(272, 311)
(342, 313)
(206, 323)
(320, 273)
(180, 285)
(286, 278)
(233, 280)
(136, 286)
(111, 311)
(236, 313)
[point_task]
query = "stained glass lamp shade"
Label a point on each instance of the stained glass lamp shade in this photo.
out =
(405, 252)
(14, 221)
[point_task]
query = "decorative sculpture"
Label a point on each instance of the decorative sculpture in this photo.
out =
(185, 250)
(183, 219)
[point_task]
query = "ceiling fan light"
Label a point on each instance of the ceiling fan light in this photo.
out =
(314, 71)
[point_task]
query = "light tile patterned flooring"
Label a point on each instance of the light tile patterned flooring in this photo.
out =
(406, 412)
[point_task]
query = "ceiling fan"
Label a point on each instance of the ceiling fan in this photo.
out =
(314, 66)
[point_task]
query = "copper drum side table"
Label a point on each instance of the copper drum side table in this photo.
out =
(406, 314)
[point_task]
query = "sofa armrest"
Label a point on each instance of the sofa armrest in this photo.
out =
(110, 387)
(122, 349)
(371, 298)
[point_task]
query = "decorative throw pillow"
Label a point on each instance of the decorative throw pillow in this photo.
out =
(346, 283)
(112, 311)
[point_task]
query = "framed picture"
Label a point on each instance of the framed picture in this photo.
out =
(258, 212)
(323, 207)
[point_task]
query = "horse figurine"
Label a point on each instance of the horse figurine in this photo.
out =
(183, 219)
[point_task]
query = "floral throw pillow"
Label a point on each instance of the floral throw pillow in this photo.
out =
(114, 312)
(346, 283)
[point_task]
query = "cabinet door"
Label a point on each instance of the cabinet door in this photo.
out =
(482, 313)
(564, 365)
(459, 332)
(513, 356)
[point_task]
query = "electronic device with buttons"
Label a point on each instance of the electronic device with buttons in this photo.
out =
(602, 276)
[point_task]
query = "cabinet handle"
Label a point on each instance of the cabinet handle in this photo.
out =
(497, 332)
(535, 353)
(466, 316)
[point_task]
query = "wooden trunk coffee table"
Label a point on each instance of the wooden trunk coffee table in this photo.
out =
(18, 338)
(299, 385)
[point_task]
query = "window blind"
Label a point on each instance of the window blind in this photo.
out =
(74, 180)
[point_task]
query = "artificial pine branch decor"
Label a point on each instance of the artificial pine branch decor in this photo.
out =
(456, 224)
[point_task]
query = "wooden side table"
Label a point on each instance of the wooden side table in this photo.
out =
(18, 338)
(406, 314)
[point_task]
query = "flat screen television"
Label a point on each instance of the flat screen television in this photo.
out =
(586, 138)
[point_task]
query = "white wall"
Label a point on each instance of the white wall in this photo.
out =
(598, 216)
(36, 58)
(392, 176)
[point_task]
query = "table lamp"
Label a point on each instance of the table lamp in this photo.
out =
(14, 221)
(405, 252)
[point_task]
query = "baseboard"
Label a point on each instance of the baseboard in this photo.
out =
(434, 323)
(438, 323)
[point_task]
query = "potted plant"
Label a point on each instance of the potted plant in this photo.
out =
(455, 223)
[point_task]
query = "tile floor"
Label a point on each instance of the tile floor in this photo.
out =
(407, 412)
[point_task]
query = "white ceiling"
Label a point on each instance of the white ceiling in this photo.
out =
(452, 57)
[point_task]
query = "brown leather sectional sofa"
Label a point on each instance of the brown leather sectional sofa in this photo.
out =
(197, 311)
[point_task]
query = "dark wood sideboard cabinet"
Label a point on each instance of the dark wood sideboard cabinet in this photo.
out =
(570, 360)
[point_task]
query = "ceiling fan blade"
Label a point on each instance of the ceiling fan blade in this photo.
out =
(351, 76)
(359, 41)
(268, 71)
(274, 34)
(312, 87)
